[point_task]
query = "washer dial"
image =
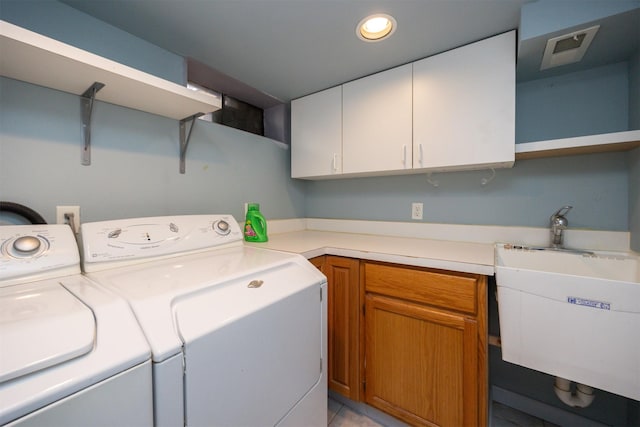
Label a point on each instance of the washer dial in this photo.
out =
(27, 246)
(222, 227)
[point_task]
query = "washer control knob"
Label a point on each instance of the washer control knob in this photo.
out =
(222, 227)
(26, 245)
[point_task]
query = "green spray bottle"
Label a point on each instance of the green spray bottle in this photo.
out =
(255, 226)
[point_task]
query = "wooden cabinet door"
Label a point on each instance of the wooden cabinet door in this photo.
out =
(421, 363)
(318, 262)
(316, 134)
(376, 113)
(343, 325)
(464, 106)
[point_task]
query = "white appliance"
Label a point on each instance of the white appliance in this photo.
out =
(71, 353)
(237, 333)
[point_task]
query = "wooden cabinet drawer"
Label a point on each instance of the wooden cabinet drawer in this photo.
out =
(438, 288)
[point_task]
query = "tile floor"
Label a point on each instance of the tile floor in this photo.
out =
(339, 415)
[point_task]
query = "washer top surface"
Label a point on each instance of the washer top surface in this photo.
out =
(117, 344)
(154, 287)
(42, 325)
(59, 333)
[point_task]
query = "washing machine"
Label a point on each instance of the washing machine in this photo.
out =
(71, 353)
(237, 333)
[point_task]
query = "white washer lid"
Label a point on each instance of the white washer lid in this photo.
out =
(41, 326)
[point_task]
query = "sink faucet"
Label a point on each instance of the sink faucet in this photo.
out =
(558, 224)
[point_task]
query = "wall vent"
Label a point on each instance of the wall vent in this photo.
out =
(567, 48)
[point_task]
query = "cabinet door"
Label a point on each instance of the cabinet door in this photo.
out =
(464, 106)
(377, 122)
(316, 134)
(318, 262)
(421, 363)
(343, 324)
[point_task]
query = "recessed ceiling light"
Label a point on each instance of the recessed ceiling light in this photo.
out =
(376, 27)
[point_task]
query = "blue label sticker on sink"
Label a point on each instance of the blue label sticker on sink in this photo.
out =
(589, 303)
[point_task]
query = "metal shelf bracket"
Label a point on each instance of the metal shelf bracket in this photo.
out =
(185, 137)
(86, 109)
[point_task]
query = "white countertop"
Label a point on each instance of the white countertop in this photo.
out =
(464, 248)
(457, 256)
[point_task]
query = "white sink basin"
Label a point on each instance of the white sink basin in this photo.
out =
(572, 315)
(600, 265)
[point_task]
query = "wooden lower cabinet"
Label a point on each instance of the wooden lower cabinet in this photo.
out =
(343, 323)
(426, 345)
(409, 341)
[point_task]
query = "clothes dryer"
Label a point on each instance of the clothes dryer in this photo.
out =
(71, 353)
(237, 333)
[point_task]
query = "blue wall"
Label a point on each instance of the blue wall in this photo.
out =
(634, 198)
(634, 158)
(634, 89)
(582, 103)
(542, 17)
(526, 195)
(134, 170)
(135, 160)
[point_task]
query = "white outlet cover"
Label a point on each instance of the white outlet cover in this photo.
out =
(416, 210)
(62, 210)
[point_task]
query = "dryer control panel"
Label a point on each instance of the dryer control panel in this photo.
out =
(37, 251)
(137, 239)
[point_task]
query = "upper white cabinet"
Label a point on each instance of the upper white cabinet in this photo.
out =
(451, 111)
(464, 106)
(316, 128)
(376, 122)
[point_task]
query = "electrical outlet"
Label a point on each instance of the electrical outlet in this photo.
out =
(416, 210)
(60, 216)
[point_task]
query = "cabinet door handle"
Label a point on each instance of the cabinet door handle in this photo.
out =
(334, 163)
(421, 159)
(404, 155)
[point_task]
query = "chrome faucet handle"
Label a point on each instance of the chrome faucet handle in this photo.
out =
(558, 223)
(558, 220)
(562, 211)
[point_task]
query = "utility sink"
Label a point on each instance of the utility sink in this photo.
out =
(572, 314)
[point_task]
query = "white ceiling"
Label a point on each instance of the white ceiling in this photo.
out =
(290, 48)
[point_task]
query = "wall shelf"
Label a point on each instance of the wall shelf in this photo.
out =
(33, 58)
(618, 141)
